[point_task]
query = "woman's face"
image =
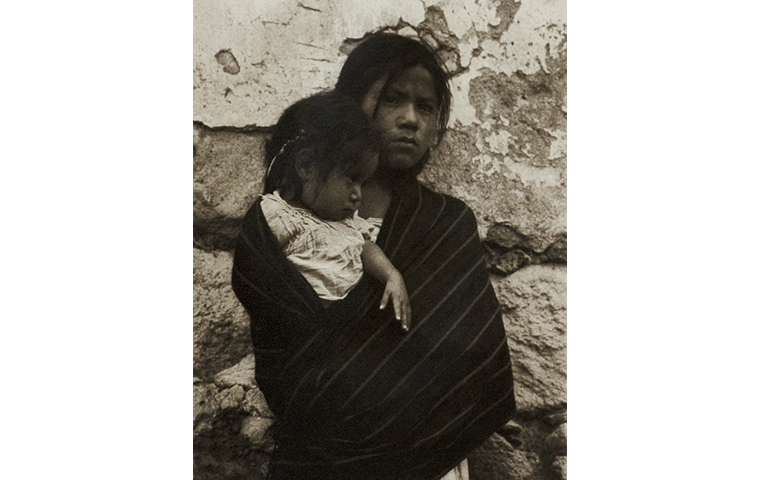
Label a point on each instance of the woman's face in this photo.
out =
(407, 117)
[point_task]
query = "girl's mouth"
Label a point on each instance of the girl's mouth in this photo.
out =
(404, 146)
(405, 141)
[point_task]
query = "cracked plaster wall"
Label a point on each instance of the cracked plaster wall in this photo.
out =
(505, 154)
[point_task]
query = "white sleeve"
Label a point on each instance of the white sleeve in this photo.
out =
(281, 222)
(369, 228)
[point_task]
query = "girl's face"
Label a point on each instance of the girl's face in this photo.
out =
(338, 196)
(407, 117)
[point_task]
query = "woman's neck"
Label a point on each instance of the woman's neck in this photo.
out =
(376, 198)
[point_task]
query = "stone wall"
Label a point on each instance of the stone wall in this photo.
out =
(504, 154)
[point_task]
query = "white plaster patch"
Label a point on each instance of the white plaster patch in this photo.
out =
(466, 46)
(558, 148)
(463, 14)
(462, 112)
(479, 144)
(285, 52)
(499, 141)
(486, 166)
(408, 32)
(528, 174)
(538, 23)
(290, 48)
(462, 193)
(492, 51)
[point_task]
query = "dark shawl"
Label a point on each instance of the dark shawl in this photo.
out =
(354, 395)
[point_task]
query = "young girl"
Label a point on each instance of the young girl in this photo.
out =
(353, 398)
(326, 149)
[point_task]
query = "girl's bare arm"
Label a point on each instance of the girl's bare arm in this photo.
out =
(377, 264)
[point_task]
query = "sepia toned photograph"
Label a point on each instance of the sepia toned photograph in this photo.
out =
(380, 240)
(380, 216)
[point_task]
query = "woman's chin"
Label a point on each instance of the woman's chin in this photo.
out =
(401, 160)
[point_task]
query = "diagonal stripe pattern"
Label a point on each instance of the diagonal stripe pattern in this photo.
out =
(357, 397)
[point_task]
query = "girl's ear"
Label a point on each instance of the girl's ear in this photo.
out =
(303, 168)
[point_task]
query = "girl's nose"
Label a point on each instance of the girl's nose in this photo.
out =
(408, 116)
(356, 195)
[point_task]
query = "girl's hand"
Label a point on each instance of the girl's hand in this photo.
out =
(369, 102)
(396, 290)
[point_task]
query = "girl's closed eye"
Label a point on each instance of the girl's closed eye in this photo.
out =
(358, 179)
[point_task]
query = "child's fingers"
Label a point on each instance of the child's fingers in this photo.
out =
(384, 301)
(401, 307)
(402, 314)
(400, 302)
(407, 316)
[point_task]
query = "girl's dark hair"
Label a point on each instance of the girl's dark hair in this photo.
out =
(324, 131)
(389, 53)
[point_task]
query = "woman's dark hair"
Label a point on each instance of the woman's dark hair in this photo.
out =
(389, 53)
(324, 131)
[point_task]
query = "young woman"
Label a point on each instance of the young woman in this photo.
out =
(355, 396)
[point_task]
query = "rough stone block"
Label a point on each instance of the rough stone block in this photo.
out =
(535, 301)
(241, 374)
(496, 459)
(556, 442)
(556, 419)
(254, 400)
(229, 434)
(511, 432)
(228, 173)
(231, 397)
(205, 403)
(559, 468)
(255, 429)
(221, 330)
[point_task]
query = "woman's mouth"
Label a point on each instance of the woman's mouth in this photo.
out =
(405, 141)
(404, 145)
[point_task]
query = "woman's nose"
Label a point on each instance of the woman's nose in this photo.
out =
(408, 116)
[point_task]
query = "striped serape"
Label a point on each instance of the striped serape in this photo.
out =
(354, 395)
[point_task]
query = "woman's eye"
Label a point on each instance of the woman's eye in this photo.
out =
(427, 108)
(393, 99)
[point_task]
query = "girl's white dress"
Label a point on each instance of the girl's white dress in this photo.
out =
(327, 253)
